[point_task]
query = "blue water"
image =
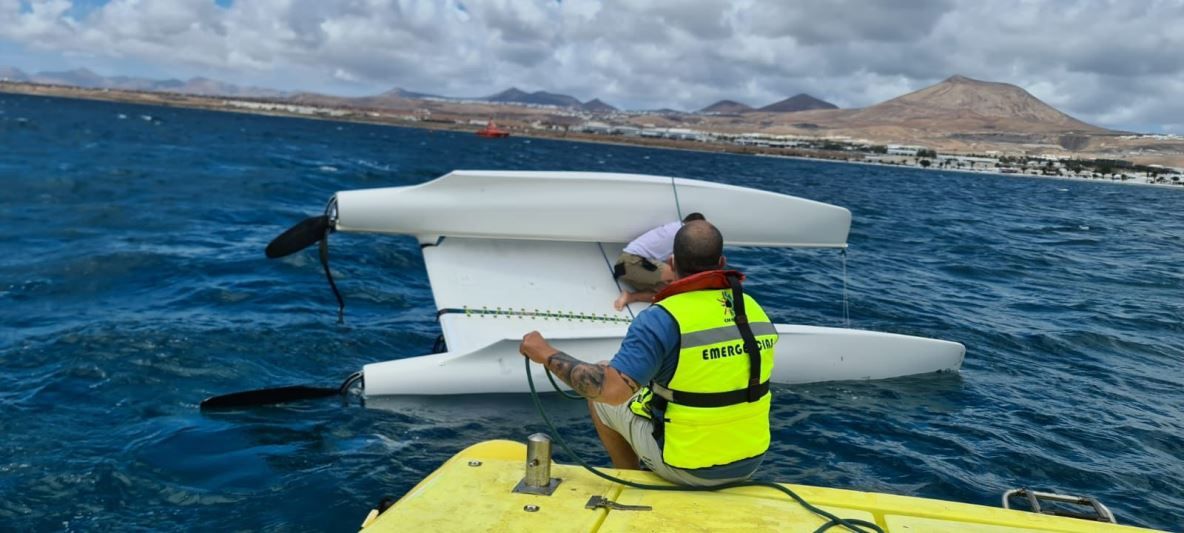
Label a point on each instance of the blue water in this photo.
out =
(133, 284)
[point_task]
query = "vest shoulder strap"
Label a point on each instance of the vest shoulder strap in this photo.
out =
(750, 345)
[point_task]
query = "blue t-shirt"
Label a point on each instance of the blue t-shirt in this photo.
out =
(650, 349)
(650, 353)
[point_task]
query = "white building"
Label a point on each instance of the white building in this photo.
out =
(904, 149)
(596, 127)
(287, 108)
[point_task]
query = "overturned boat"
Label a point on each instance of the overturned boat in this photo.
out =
(508, 252)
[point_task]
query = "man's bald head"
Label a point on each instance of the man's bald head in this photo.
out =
(698, 247)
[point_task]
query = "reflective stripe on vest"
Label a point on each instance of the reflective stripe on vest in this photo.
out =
(707, 418)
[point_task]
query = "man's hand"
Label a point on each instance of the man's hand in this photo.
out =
(536, 348)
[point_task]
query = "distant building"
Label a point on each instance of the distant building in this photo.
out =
(1156, 136)
(287, 108)
(904, 149)
(684, 134)
(596, 127)
(969, 162)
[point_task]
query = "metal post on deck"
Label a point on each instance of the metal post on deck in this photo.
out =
(538, 478)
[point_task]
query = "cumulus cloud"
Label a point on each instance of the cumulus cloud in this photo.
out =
(1113, 63)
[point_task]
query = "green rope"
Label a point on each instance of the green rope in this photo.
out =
(852, 524)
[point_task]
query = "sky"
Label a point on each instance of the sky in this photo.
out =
(1118, 64)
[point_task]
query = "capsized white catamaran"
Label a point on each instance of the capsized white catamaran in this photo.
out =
(508, 252)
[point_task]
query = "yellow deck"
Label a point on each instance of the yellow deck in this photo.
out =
(460, 497)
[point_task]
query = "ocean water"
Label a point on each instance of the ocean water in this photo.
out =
(133, 285)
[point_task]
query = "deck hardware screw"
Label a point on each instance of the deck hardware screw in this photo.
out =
(531, 508)
(474, 463)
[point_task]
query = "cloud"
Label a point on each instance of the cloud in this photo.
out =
(1112, 63)
(830, 22)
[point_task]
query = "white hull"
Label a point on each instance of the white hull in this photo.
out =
(805, 354)
(586, 207)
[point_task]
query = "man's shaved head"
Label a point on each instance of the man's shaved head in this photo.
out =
(698, 247)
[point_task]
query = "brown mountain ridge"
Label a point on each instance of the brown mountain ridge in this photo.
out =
(967, 104)
(958, 113)
(726, 107)
(793, 104)
(798, 102)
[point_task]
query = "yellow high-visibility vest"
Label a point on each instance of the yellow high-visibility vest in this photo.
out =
(708, 415)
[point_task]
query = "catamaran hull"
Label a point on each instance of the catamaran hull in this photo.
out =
(586, 207)
(805, 354)
(509, 252)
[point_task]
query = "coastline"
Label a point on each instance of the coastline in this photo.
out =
(223, 104)
(987, 172)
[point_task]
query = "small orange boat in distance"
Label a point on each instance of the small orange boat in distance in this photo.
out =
(491, 130)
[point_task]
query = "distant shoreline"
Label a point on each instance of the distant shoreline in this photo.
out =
(216, 103)
(987, 172)
(220, 104)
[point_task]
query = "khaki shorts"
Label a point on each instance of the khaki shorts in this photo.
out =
(636, 273)
(639, 432)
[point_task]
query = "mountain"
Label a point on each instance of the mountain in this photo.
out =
(141, 84)
(727, 107)
(394, 98)
(404, 93)
(88, 79)
(800, 102)
(208, 87)
(964, 104)
(12, 74)
(546, 98)
(515, 96)
(596, 106)
(79, 77)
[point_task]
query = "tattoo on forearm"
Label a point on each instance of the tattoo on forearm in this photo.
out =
(586, 379)
(561, 364)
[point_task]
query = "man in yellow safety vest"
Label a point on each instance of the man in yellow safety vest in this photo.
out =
(704, 352)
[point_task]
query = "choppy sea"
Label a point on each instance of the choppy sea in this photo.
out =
(133, 285)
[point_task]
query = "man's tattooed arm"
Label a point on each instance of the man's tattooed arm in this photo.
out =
(588, 379)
